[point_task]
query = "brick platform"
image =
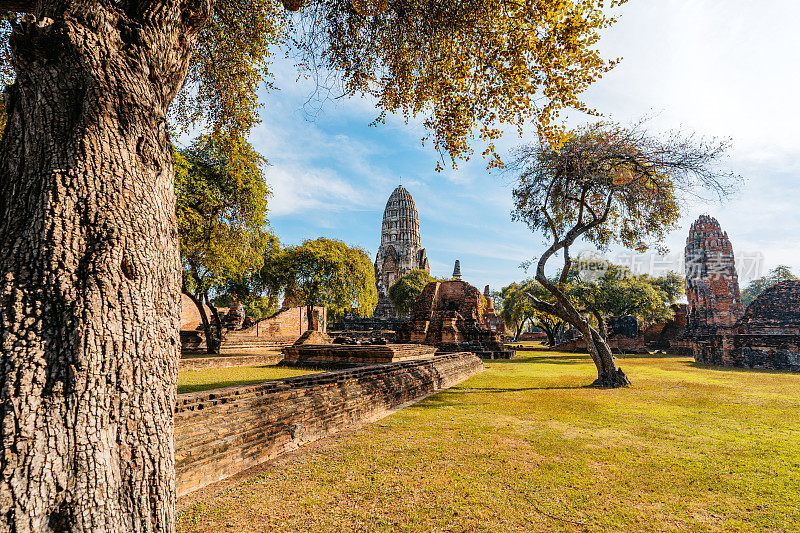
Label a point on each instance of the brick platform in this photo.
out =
(198, 363)
(222, 432)
(343, 354)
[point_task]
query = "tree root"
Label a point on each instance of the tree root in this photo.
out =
(612, 380)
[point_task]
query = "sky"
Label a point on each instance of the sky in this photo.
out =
(726, 68)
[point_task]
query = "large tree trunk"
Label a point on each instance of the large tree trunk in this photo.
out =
(89, 270)
(608, 375)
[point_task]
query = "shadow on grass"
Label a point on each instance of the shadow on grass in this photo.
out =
(739, 369)
(542, 359)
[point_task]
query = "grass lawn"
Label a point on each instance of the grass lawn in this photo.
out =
(525, 447)
(214, 378)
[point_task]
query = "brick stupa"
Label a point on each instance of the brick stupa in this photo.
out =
(712, 285)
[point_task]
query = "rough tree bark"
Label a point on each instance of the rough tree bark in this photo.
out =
(89, 270)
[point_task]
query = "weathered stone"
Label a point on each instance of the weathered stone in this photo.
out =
(225, 431)
(400, 251)
(767, 336)
(353, 355)
(712, 285)
(491, 321)
(449, 315)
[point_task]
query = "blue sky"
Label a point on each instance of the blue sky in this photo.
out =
(724, 68)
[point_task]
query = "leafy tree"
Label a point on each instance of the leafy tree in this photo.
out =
(260, 299)
(618, 292)
(221, 208)
(405, 291)
(551, 325)
(87, 207)
(327, 272)
(497, 300)
(759, 285)
(518, 310)
(608, 183)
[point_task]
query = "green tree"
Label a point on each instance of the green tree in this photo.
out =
(759, 285)
(551, 325)
(405, 291)
(87, 204)
(608, 183)
(618, 292)
(221, 209)
(259, 299)
(327, 272)
(518, 310)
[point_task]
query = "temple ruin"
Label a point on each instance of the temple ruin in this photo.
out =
(766, 335)
(400, 251)
(449, 315)
(712, 285)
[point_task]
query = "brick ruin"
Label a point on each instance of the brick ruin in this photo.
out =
(222, 432)
(449, 315)
(400, 251)
(712, 285)
(491, 320)
(766, 335)
(274, 332)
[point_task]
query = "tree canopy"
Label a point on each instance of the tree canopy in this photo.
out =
(759, 285)
(221, 208)
(467, 69)
(607, 184)
(326, 272)
(405, 291)
(619, 292)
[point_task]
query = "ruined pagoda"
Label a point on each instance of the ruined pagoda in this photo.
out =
(712, 285)
(400, 251)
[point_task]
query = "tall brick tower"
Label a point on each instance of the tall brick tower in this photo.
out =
(401, 250)
(712, 285)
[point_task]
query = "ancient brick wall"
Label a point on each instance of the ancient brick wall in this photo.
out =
(712, 284)
(776, 311)
(222, 432)
(768, 352)
(287, 324)
(198, 363)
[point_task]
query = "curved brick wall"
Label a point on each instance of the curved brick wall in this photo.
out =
(222, 432)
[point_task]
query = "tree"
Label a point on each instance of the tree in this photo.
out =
(551, 325)
(608, 183)
(405, 291)
(619, 292)
(90, 273)
(517, 308)
(221, 208)
(759, 285)
(327, 272)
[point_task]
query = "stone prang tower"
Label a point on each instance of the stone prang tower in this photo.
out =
(400, 250)
(712, 285)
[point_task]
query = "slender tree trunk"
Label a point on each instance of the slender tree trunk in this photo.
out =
(212, 342)
(89, 270)
(215, 336)
(551, 340)
(601, 324)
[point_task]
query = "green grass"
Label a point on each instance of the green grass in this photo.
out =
(526, 447)
(214, 378)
